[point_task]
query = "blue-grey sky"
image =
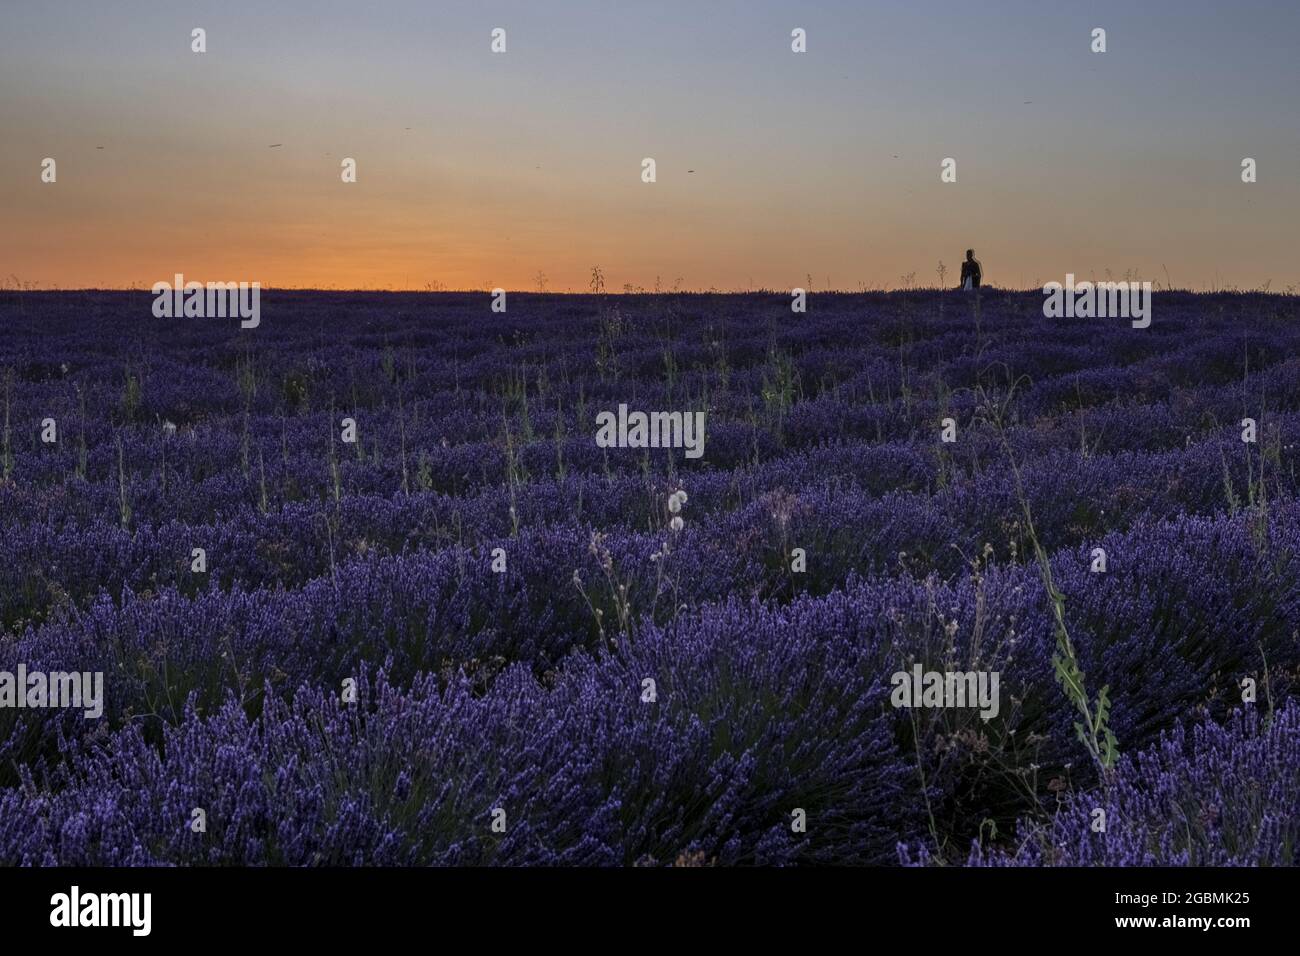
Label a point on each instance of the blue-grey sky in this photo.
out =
(822, 164)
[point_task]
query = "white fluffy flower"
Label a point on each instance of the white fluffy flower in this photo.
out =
(676, 523)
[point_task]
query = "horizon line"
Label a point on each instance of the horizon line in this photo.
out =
(1156, 286)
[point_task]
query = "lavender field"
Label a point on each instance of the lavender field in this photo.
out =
(474, 636)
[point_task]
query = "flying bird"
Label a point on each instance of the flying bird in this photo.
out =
(274, 145)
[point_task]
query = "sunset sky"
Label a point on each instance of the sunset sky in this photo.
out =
(478, 169)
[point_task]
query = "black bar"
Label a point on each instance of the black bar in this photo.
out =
(338, 906)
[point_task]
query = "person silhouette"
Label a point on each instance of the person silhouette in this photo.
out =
(971, 273)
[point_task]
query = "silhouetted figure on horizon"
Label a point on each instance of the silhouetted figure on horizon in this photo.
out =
(971, 273)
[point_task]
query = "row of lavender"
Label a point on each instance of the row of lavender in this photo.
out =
(501, 589)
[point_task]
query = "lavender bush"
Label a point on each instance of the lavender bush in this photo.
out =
(499, 589)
